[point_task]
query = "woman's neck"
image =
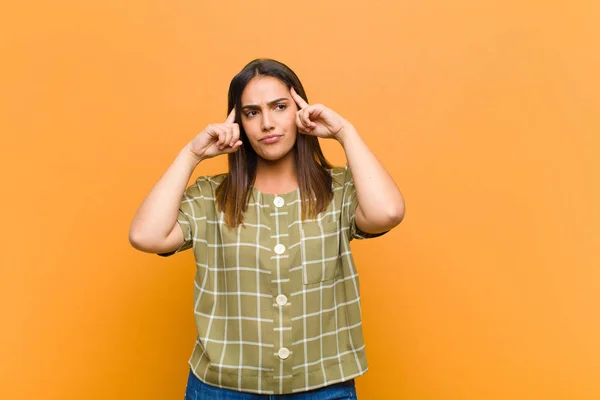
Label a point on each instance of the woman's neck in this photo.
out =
(276, 176)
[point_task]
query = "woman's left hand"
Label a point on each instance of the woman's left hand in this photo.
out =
(317, 120)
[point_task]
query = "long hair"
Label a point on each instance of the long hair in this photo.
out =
(233, 194)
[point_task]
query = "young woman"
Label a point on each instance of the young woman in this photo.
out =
(277, 303)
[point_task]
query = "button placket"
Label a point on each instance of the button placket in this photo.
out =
(282, 300)
(282, 312)
(279, 249)
(283, 353)
(279, 202)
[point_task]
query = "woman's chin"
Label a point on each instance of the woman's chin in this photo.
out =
(274, 154)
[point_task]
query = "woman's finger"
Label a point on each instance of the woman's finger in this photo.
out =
(231, 117)
(227, 136)
(300, 123)
(316, 111)
(236, 135)
(211, 131)
(299, 100)
(233, 148)
(306, 119)
(220, 135)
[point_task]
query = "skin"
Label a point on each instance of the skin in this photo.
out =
(277, 110)
(269, 109)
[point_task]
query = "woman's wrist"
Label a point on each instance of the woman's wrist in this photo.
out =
(190, 157)
(345, 134)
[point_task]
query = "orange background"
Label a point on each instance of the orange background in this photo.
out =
(485, 113)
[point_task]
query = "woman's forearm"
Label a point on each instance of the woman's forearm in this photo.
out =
(380, 203)
(157, 215)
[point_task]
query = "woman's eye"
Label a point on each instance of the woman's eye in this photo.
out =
(250, 113)
(281, 106)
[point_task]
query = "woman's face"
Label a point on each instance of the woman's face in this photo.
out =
(268, 115)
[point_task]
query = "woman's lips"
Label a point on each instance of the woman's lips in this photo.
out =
(271, 139)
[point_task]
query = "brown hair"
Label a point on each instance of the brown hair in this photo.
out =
(233, 194)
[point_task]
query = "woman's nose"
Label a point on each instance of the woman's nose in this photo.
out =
(267, 122)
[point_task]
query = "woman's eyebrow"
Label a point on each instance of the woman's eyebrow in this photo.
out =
(270, 103)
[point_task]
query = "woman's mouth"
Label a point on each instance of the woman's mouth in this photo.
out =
(271, 139)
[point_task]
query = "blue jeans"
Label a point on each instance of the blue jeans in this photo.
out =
(198, 390)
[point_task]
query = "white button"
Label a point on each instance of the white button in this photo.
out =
(279, 249)
(284, 353)
(279, 202)
(282, 300)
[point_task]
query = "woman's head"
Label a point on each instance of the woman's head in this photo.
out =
(266, 114)
(268, 118)
(260, 82)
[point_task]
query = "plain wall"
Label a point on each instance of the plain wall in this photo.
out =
(485, 113)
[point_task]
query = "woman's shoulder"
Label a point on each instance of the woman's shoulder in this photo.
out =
(207, 183)
(210, 183)
(214, 180)
(338, 175)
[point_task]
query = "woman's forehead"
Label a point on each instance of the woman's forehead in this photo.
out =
(263, 89)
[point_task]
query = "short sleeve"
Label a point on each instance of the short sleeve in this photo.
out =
(349, 204)
(191, 212)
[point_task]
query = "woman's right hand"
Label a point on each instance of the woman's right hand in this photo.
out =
(217, 139)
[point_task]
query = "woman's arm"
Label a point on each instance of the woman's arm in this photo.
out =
(154, 228)
(380, 203)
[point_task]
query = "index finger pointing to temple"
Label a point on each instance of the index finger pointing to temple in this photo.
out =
(231, 117)
(299, 100)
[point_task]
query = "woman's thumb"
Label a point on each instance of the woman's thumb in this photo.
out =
(235, 147)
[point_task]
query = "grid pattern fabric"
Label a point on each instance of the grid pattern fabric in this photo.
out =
(277, 300)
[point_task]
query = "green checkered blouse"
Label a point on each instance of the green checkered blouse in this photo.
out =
(277, 302)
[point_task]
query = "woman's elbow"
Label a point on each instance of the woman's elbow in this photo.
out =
(396, 215)
(136, 240)
(141, 241)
